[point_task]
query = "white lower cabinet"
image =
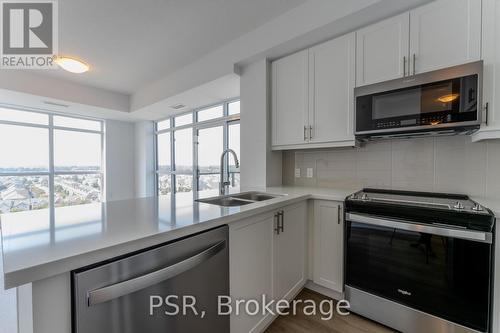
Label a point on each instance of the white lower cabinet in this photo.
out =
(328, 244)
(263, 262)
(290, 252)
(250, 267)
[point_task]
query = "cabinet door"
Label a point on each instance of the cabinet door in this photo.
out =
(331, 86)
(328, 254)
(491, 56)
(290, 253)
(382, 50)
(445, 33)
(289, 99)
(251, 267)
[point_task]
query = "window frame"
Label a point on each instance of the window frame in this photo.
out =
(196, 125)
(52, 173)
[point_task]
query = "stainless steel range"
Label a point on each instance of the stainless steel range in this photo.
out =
(419, 262)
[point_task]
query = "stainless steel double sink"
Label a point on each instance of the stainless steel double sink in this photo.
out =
(239, 199)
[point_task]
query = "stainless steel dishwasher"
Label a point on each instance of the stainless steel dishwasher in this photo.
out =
(129, 294)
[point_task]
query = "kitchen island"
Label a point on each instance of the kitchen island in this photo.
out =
(40, 251)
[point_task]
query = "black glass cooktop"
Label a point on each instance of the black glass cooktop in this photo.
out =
(456, 210)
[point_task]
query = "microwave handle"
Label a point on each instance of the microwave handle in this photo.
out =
(476, 236)
(120, 289)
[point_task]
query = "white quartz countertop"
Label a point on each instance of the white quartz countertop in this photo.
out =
(36, 246)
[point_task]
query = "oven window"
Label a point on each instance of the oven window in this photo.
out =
(443, 276)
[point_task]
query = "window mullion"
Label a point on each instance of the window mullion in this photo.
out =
(52, 194)
(224, 121)
(195, 163)
(173, 168)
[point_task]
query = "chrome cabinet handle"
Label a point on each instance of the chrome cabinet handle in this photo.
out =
(310, 132)
(487, 109)
(404, 66)
(120, 289)
(277, 218)
(477, 236)
(280, 225)
(339, 218)
(414, 62)
(305, 131)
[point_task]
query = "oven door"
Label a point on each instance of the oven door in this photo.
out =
(439, 271)
(426, 101)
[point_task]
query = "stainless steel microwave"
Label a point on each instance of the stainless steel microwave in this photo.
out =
(445, 101)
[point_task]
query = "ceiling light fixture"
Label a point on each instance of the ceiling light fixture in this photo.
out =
(72, 65)
(177, 106)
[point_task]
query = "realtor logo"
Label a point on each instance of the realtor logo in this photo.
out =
(29, 34)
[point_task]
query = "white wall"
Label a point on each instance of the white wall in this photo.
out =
(120, 160)
(8, 313)
(259, 166)
(144, 159)
(49, 88)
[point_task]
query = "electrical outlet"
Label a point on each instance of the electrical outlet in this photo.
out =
(309, 172)
(297, 173)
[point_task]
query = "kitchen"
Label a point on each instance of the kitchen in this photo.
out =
(327, 150)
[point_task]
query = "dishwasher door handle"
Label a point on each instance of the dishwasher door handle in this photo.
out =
(120, 289)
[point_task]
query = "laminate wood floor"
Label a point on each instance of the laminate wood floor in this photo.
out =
(301, 323)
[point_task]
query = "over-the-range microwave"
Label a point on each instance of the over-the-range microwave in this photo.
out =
(441, 102)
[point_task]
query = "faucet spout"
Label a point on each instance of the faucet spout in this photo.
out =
(224, 184)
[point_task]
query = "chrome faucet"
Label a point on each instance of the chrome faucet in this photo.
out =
(223, 184)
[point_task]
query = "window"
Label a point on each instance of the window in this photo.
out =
(48, 161)
(234, 108)
(189, 146)
(211, 113)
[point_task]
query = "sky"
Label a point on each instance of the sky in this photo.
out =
(29, 147)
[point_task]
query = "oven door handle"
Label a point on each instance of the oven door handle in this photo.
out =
(476, 236)
(120, 289)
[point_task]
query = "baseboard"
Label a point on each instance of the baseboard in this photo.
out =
(324, 291)
(268, 320)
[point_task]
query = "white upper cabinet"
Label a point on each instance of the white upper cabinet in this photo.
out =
(313, 90)
(440, 34)
(312, 96)
(490, 42)
(382, 50)
(445, 33)
(290, 99)
(331, 88)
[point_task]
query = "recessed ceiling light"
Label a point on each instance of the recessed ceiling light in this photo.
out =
(177, 106)
(72, 65)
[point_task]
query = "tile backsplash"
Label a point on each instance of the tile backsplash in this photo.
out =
(443, 164)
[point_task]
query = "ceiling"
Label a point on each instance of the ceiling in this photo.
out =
(131, 43)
